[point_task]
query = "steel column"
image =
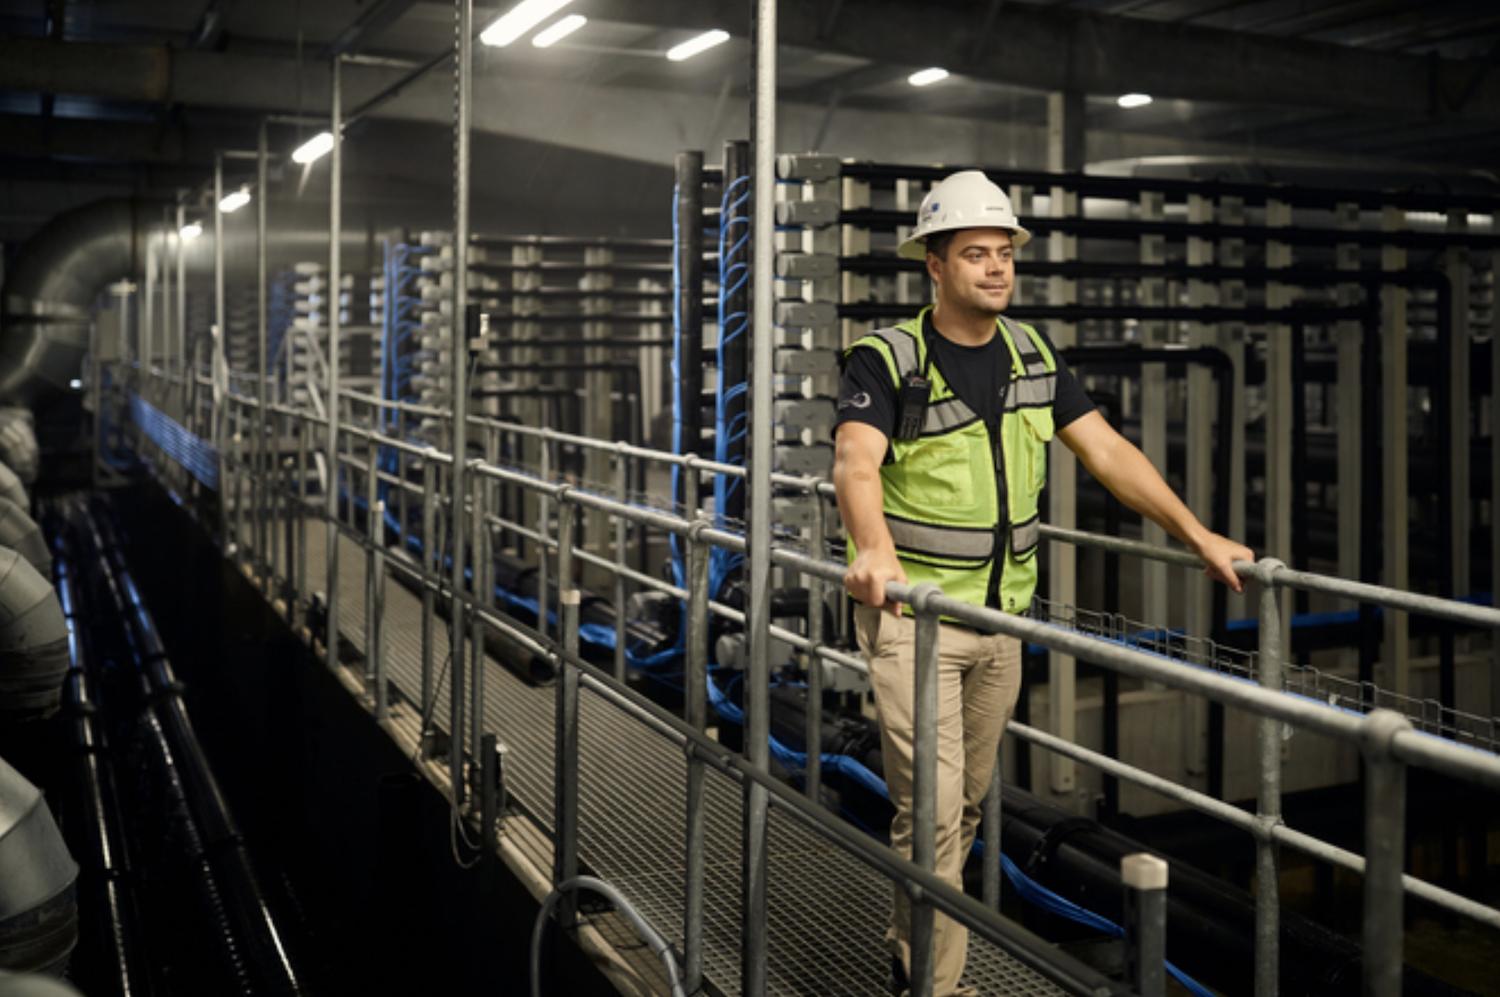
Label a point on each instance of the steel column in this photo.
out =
(262, 460)
(463, 81)
(758, 465)
(335, 263)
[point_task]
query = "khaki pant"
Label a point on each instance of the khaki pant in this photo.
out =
(979, 680)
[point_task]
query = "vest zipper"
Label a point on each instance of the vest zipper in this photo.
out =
(1002, 502)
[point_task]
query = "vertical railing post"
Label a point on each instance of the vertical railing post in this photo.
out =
(544, 536)
(303, 432)
(482, 566)
(622, 495)
(1268, 809)
(565, 780)
(695, 686)
(373, 535)
(432, 569)
(1145, 879)
(403, 464)
(372, 625)
(457, 608)
(813, 736)
(924, 782)
(990, 816)
(1385, 854)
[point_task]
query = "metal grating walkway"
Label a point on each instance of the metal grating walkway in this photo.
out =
(826, 911)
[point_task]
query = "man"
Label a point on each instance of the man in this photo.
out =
(940, 462)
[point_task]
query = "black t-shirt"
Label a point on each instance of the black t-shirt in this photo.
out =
(975, 374)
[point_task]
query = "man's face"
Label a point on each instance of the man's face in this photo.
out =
(979, 274)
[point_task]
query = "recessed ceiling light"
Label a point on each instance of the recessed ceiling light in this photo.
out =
(927, 77)
(559, 31)
(1134, 99)
(520, 19)
(694, 46)
(314, 148)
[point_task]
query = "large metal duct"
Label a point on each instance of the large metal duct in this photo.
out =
(38, 913)
(32, 985)
(50, 292)
(11, 487)
(33, 642)
(18, 447)
(20, 533)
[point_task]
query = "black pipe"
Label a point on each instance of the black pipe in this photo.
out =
(1211, 925)
(112, 954)
(1092, 185)
(261, 949)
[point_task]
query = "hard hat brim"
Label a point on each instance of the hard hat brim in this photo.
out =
(915, 248)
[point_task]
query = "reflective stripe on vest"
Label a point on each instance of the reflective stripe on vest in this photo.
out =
(941, 494)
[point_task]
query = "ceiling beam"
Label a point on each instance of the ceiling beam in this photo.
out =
(1047, 48)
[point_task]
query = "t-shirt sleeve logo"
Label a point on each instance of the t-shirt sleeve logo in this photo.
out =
(861, 400)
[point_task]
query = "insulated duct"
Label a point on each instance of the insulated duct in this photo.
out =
(20, 533)
(18, 447)
(50, 292)
(34, 655)
(32, 985)
(38, 913)
(11, 487)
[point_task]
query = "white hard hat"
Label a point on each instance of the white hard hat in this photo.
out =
(964, 200)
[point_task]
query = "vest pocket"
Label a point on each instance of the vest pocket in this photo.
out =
(942, 478)
(1039, 430)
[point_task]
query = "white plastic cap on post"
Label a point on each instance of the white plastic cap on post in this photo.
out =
(964, 200)
(1144, 872)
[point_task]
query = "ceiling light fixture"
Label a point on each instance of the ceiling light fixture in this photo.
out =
(927, 77)
(693, 46)
(520, 19)
(234, 200)
(314, 148)
(1134, 99)
(190, 231)
(559, 31)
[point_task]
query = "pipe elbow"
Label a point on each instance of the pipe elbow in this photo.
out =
(34, 651)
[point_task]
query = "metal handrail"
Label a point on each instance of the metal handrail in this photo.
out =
(1387, 742)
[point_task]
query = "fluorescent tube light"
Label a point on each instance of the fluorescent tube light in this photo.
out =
(694, 46)
(190, 231)
(1134, 99)
(314, 148)
(520, 19)
(559, 31)
(234, 200)
(927, 77)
